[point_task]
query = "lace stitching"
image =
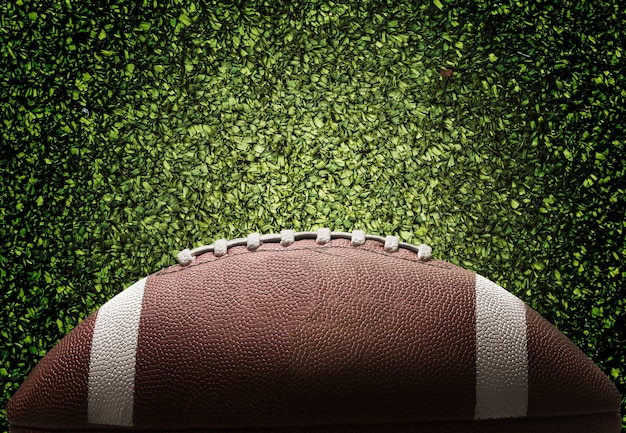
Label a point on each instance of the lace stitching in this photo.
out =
(288, 237)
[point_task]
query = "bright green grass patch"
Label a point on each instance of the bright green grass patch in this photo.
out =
(129, 132)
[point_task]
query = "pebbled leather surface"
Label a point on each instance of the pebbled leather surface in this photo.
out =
(562, 379)
(596, 423)
(306, 336)
(327, 338)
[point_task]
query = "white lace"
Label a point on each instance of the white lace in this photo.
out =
(288, 237)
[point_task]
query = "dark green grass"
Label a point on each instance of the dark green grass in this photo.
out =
(493, 133)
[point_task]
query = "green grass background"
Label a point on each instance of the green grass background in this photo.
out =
(493, 131)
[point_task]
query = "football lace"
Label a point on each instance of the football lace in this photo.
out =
(288, 237)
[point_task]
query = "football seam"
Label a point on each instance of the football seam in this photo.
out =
(288, 237)
(322, 249)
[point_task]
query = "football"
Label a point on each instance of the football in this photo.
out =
(320, 332)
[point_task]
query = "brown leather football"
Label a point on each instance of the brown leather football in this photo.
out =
(315, 332)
